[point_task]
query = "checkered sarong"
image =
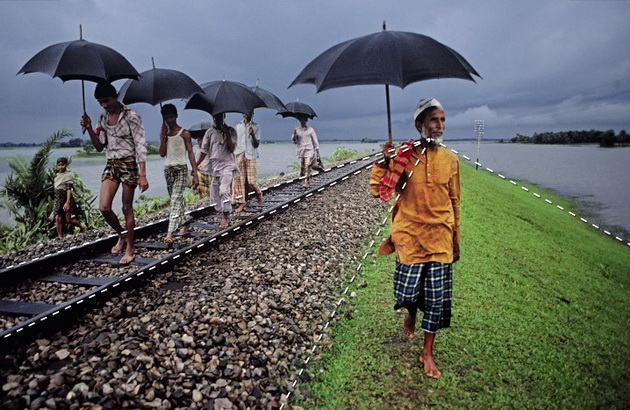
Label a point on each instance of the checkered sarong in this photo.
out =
(428, 287)
(246, 183)
(205, 181)
(176, 184)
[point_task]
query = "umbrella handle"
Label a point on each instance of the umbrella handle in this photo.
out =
(83, 96)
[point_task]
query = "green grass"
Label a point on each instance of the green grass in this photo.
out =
(541, 317)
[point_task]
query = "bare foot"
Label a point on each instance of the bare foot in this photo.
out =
(184, 230)
(430, 368)
(260, 198)
(127, 258)
(120, 245)
(409, 326)
(83, 228)
(169, 238)
(240, 208)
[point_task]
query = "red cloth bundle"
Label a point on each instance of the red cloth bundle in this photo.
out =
(387, 184)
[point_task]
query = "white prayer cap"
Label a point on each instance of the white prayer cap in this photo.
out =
(424, 104)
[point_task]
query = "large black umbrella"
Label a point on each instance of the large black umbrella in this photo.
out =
(297, 109)
(270, 99)
(225, 96)
(81, 60)
(387, 57)
(158, 85)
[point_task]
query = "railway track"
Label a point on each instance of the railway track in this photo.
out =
(74, 280)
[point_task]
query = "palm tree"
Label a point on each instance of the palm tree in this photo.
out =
(28, 187)
(29, 194)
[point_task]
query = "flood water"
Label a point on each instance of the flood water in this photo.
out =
(599, 178)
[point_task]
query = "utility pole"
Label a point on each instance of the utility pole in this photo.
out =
(479, 126)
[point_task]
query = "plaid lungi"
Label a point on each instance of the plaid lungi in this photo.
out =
(123, 170)
(247, 180)
(204, 183)
(427, 287)
(175, 176)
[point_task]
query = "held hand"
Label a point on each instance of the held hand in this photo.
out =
(388, 150)
(143, 183)
(86, 122)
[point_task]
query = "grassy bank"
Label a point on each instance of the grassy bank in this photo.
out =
(541, 317)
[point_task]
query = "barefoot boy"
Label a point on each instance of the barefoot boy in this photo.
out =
(121, 134)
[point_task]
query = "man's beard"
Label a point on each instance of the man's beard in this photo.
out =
(433, 142)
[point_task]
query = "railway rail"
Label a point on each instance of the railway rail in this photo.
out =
(88, 275)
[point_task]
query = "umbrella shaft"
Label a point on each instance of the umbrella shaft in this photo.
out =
(389, 115)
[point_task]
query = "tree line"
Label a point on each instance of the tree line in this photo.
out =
(603, 138)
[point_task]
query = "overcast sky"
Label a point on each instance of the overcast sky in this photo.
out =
(547, 65)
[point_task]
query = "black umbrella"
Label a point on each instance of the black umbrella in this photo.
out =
(81, 60)
(158, 85)
(225, 96)
(200, 126)
(297, 109)
(198, 129)
(388, 57)
(270, 99)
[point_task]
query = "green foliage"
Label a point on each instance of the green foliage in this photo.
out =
(341, 154)
(152, 149)
(88, 212)
(539, 321)
(29, 183)
(88, 150)
(146, 205)
(29, 196)
(295, 166)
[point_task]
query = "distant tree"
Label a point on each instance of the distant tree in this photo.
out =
(75, 142)
(523, 139)
(607, 138)
(623, 137)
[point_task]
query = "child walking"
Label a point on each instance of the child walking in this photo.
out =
(64, 205)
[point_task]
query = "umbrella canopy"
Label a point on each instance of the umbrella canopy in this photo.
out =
(225, 96)
(81, 60)
(297, 109)
(158, 85)
(387, 57)
(270, 99)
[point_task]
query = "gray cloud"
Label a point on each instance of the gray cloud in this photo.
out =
(545, 65)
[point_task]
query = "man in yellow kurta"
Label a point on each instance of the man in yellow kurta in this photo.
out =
(425, 224)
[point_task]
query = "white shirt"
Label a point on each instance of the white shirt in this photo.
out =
(244, 141)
